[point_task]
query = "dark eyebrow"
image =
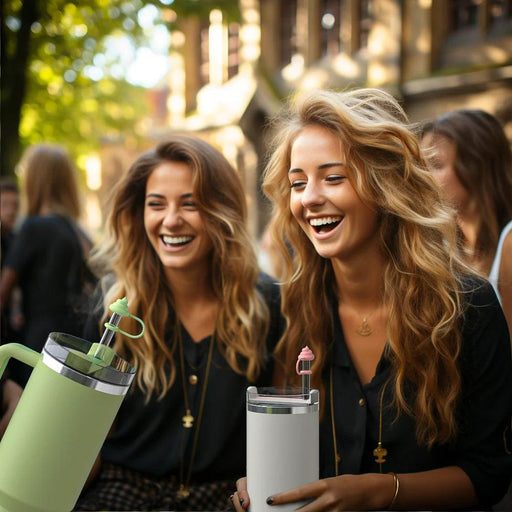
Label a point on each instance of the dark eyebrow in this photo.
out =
(320, 167)
(331, 164)
(161, 196)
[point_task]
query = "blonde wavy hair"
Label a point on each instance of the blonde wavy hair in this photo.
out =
(422, 287)
(242, 320)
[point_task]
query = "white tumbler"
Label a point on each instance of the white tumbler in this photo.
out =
(282, 443)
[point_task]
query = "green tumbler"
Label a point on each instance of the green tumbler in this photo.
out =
(60, 423)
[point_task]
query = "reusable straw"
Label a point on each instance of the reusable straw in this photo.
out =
(305, 358)
(119, 309)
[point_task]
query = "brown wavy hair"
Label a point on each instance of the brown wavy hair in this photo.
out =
(49, 181)
(483, 165)
(418, 239)
(126, 252)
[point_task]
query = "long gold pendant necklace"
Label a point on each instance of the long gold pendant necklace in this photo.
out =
(379, 452)
(188, 420)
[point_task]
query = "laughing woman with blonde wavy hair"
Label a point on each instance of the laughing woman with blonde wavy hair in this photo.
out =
(412, 349)
(178, 248)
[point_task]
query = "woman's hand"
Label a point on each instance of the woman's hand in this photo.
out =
(347, 492)
(240, 498)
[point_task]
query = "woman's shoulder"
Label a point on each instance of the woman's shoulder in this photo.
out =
(270, 289)
(32, 221)
(33, 232)
(507, 244)
(41, 224)
(503, 253)
(483, 319)
(478, 291)
(268, 286)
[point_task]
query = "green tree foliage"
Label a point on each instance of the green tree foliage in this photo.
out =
(58, 84)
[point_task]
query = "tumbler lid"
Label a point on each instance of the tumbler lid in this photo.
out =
(275, 400)
(96, 367)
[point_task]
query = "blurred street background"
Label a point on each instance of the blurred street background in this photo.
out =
(108, 79)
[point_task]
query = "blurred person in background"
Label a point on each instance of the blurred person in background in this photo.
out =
(10, 393)
(47, 258)
(11, 317)
(471, 159)
(9, 208)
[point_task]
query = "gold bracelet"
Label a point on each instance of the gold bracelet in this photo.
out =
(396, 483)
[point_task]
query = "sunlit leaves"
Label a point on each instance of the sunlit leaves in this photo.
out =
(76, 85)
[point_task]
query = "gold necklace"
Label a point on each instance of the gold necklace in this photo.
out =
(337, 457)
(379, 452)
(365, 328)
(188, 419)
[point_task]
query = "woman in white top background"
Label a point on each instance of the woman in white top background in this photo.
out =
(471, 159)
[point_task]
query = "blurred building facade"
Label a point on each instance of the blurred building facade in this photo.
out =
(228, 78)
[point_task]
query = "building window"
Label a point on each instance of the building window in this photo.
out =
(288, 31)
(331, 26)
(479, 19)
(469, 29)
(464, 14)
(500, 11)
(365, 22)
(205, 53)
(233, 49)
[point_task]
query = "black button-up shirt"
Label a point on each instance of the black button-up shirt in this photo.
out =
(483, 444)
(149, 437)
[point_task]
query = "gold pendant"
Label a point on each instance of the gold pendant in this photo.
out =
(380, 453)
(182, 493)
(364, 329)
(188, 419)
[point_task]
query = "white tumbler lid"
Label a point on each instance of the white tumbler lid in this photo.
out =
(274, 400)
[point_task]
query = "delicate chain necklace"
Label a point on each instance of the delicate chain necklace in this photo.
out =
(188, 419)
(337, 457)
(379, 452)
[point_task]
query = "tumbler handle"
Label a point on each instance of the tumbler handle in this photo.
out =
(18, 351)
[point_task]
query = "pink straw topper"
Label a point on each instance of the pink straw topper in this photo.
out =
(305, 357)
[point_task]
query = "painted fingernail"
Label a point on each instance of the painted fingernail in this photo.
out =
(242, 502)
(270, 500)
(231, 497)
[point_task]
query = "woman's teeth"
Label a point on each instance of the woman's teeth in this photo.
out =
(325, 223)
(176, 240)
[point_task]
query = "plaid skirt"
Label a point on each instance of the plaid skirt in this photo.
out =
(118, 488)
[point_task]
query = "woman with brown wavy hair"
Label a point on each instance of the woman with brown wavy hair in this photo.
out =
(471, 159)
(178, 248)
(412, 350)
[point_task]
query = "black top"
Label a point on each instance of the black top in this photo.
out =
(48, 258)
(7, 333)
(148, 437)
(6, 240)
(484, 414)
